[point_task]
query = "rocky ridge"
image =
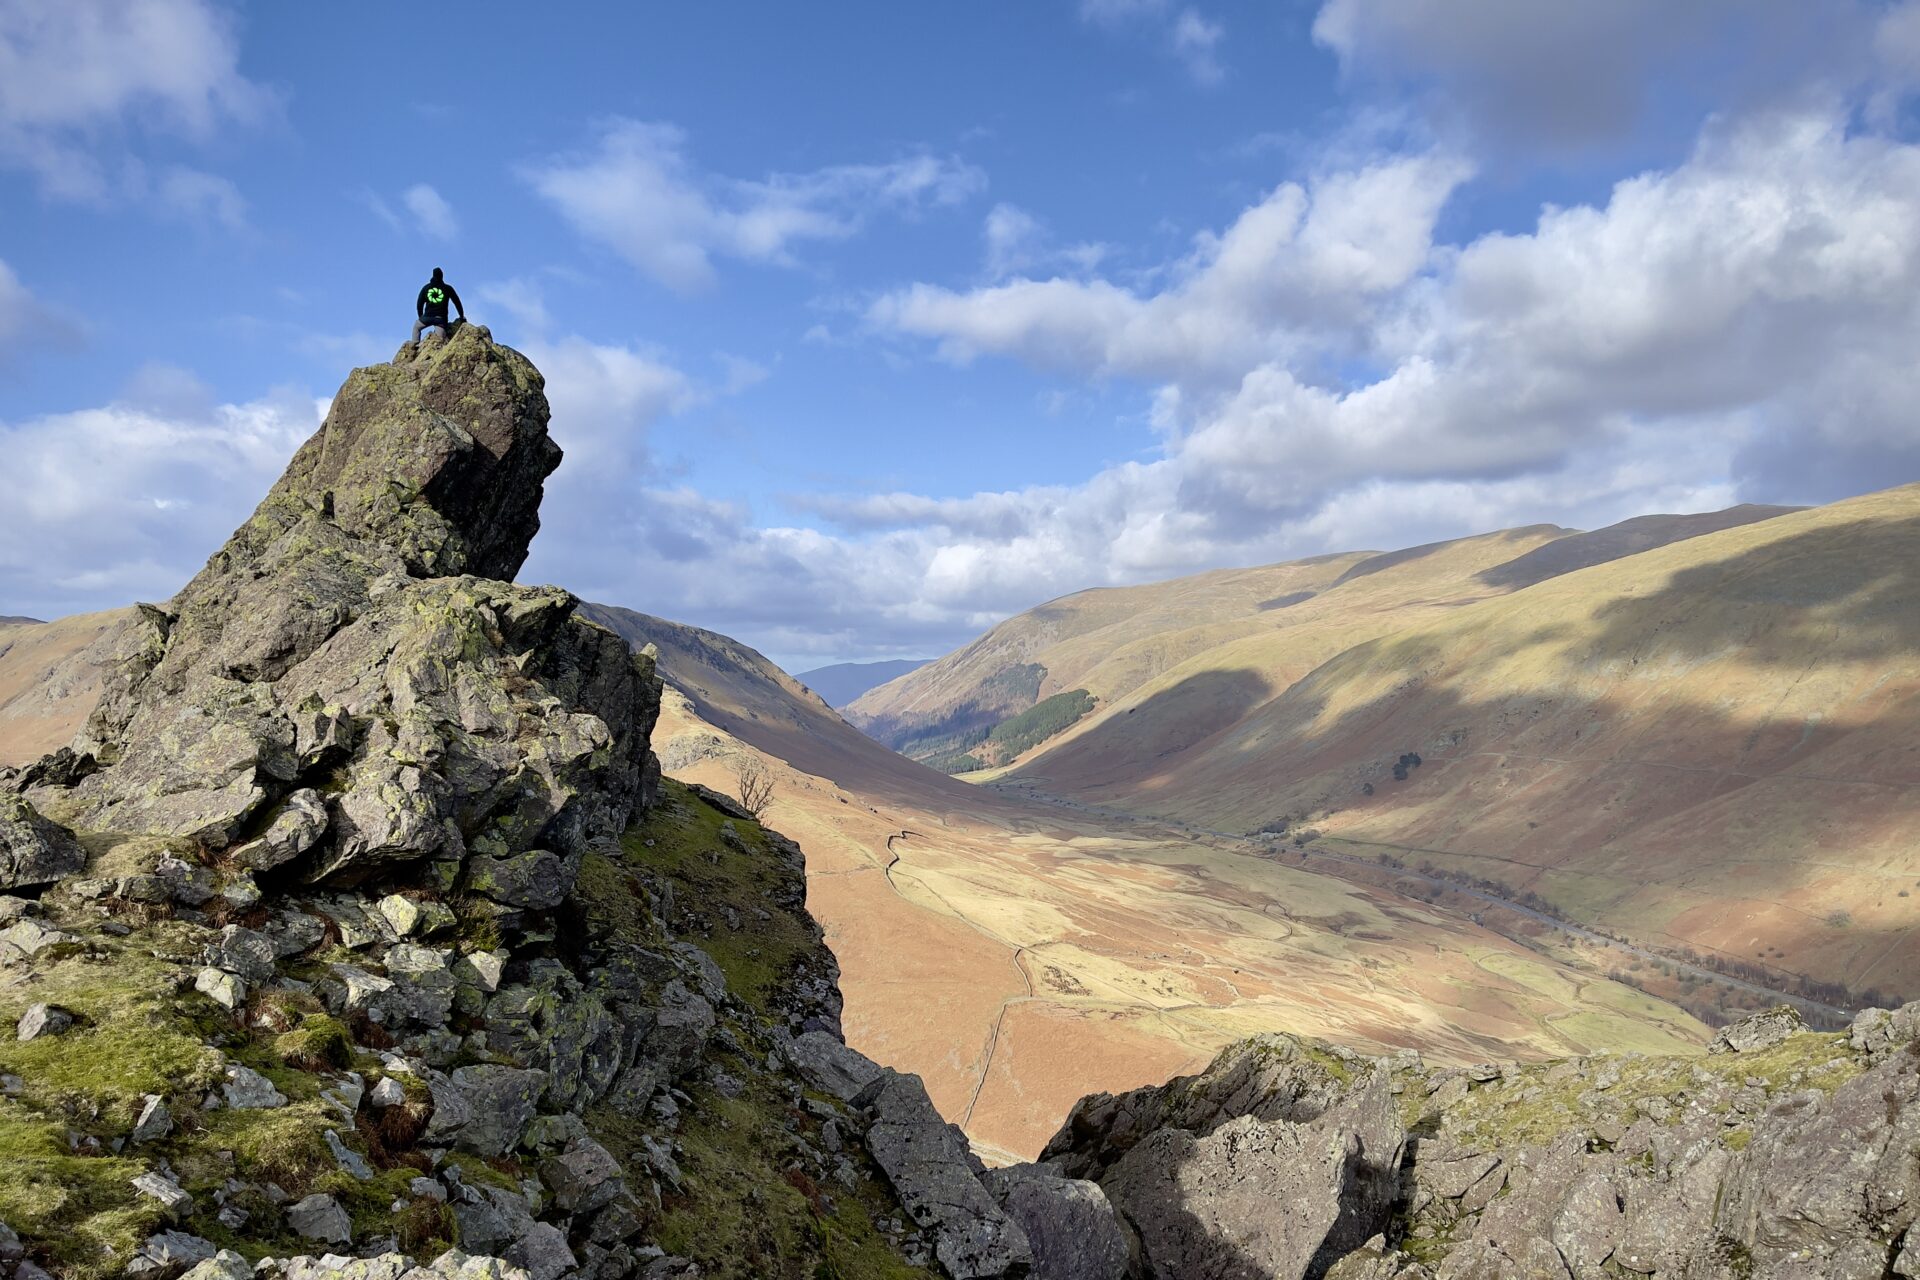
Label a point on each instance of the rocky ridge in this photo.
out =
(357, 935)
(1783, 1153)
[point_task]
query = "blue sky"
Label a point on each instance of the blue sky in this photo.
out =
(868, 324)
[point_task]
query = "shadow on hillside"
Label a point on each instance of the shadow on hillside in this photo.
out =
(1615, 542)
(1170, 722)
(1770, 601)
(1406, 555)
(1570, 785)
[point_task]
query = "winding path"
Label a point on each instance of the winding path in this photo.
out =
(1016, 951)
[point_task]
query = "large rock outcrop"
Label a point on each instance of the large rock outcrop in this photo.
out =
(360, 919)
(350, 686)
(1784, 1155)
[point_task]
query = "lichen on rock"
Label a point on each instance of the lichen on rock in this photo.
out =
(351, 685)
(315, 964)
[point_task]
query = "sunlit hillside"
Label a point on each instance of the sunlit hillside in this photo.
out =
(1705, 744)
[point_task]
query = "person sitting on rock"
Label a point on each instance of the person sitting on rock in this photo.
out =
(430, 308)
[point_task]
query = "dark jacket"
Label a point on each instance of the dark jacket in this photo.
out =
(428, 309)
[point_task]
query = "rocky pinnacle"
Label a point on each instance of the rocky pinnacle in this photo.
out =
(352, 686)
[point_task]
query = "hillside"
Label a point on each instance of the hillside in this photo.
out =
(1017, 955)
(842, 682)
(1122, 645)
(1067, 950)
(357, 935)
(50, 677)
(1707, 744)
(1054, 648)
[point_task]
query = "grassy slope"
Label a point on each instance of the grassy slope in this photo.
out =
(1157, 624)
(48, 682)
(1222, 683)
(1709, 742)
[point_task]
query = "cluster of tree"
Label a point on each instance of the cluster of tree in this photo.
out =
(1039, 722)
(979, 747)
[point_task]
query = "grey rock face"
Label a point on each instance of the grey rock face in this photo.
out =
(43, 1020)
(301, 821)
(348, 1159)
(1069, 1224)
(1788, 1156)
(155, 1121)
(1761, 1031)
(1880, 1031)
(542, 1252)
(221, 987)
(491, 1218)
(583, 1178)
(320, 1217)
(537, 879)
(27, 939)
(1268, 1077)
(169, 1193)
(248, 1090)
(224, 1265)
(33, 850)
(829, 1065)
(936, 1177)
(169, 1253)
(245, 952)
(1254, 1197)
(332, 681)
(501, 1100)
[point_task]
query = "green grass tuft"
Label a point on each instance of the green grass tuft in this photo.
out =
(709, 876)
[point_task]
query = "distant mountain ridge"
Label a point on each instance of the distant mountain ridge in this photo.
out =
(842, 682)
(1115, 641)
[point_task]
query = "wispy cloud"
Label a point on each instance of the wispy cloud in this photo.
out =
(421, 208)
(26, 322)
(83, 81)
(203, 198)
(431, 212)
(1196, 42)
(637, 193)
(1186, 33)
(1018, 243)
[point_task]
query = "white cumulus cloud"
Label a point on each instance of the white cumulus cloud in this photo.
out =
(1325, 375)
(123, 502)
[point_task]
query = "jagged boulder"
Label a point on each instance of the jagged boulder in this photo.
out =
(937, 1178)
(350, 685)
(1268, 1197)
(33, 850)
(825, 1062)
(1761, 1031)
(1269, 1077)
(1069, 1224)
